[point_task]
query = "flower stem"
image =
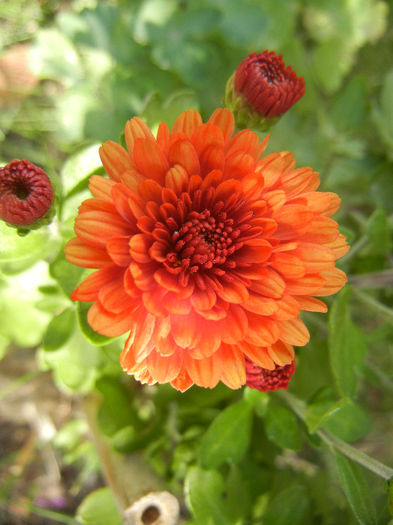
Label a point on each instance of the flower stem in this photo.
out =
(372, 280)
(335, 443)
(374, 304)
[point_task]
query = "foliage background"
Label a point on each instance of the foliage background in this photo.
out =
(71, 74)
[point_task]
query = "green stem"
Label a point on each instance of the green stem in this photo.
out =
(374, 304)
(355, 248)
(380, 469)
(372, 280)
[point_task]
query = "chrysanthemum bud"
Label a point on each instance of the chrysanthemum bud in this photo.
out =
(26, 195)
(261, 90)
(268, 380)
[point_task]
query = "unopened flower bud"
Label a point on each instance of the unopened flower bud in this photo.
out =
(268, 380)
(26, 195)
(261, 90)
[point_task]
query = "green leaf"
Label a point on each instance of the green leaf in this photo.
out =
(66, 274)
(156, 111)
(257, 399)
(99, 508)
(244, 25)
(389, 488)
(20, 320)
(332, 59)
(347, 345)
(53, 56)
(204, 492)
(356, 490)
(282, 428)
(319, 412)
(91, 335)
(349, 108)
(378, 232)
(24, 251)
(350, 423)
(75, 364)
(116, 410)
(228, 436)
(290, 506)
(383, 114)
(238, 495)
(59, 330)
(79, 166)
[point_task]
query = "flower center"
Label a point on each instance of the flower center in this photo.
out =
(271, 72)
(203, 241)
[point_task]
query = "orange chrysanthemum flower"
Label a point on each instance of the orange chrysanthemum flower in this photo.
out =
(205, 251)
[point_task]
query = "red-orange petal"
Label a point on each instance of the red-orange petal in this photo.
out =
(80, 254)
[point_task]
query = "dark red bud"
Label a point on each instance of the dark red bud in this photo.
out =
(26, 193)
(268, 380)
(269, 87)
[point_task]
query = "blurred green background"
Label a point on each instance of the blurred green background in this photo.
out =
(71, 74)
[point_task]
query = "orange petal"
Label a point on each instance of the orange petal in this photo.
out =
(119, 250)
(204, 372)
(273, 166)
(182, 152)
(271, 285)
(334, 281)
(163, 136)
(108, 323)
(261, 330)
(141, 341)
(203, 299)
(96, 227)
(293, 220)
(78, 253)
(321, 230)
(88, 290)
(176, 306)
(120, 195)
(233, 292)
(281, 353)
(288, 308)
(255, 251)
(306, 285)
(294, 332)
(149, 159)
(260, 305)
(339, 246)
(238, 165)
(176, 179)
(139, 247)
(258, 355)
(311, 304)
(131, 178)
(187, 122)
(101, 187)
(135, 129)
(223, 119)
(246, 141)
(233, 367)
(115, 159)
(164, 368)
(183, 381)
(234, 326)
(299, 181)
(113, 297)
(287, 265)
(153, 301)
(185, 330)
(315, 258)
